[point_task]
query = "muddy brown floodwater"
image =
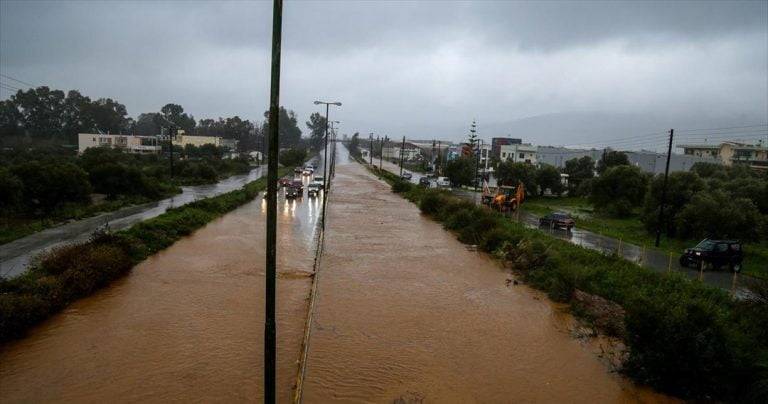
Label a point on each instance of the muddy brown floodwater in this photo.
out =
(185, 325)
(406, 312)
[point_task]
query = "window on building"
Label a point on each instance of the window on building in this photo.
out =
(522, 155)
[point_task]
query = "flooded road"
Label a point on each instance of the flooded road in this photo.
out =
(405, 311)
(15, 256)
(185, 325)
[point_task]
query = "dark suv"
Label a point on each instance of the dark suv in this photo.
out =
(714, 254)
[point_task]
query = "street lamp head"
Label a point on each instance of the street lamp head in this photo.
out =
(318, 102)
(338, 104)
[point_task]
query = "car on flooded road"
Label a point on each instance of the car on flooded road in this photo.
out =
(557, 220)
(406, 176)
(284, 182)
(298, 170)
(319, 180)
(292, 193)
(714, 254)
(297, 184)
(425, 182)
(313, 189)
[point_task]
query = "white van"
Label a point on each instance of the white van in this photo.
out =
(443, 182)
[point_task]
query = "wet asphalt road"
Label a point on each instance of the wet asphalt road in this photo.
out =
(647, 257)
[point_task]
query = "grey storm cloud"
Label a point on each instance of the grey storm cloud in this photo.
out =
(419, 69)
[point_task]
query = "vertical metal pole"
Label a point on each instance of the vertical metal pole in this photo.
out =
(270, 329)
(370, 151)
(325, 160)
(664, 190)
(381, 153)
(402, 151)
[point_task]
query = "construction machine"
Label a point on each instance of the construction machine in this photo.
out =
(506, 199)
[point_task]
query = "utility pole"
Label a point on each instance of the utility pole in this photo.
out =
(434, 159)
(402, 151)
(381, 153)
(370, 150)
(171, 131)
(270, 329)
(664, 189)
(440, 156)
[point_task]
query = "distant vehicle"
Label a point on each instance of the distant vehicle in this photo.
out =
(443, 182)
(321, 180)
(424, 182)
(406, 175)
(712, 254)
(297, 184)
(297, 170)
(505, 199)
(306, 172)
(292, 193)
(557, 219)
(313, 189)
(284, 182)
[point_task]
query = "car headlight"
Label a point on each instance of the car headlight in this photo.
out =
(698, 253)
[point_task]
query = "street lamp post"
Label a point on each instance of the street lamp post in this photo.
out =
(325, 152)
(370, 150)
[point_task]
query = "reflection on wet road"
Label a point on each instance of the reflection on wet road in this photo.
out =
(405, 312)
(185, 325)
(15, 256)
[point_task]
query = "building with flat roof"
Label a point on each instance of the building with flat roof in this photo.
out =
(518, 153)
(729, 153)
(129, 143)
(497, 142)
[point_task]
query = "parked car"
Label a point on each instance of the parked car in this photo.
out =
(713, 254)
(424, 182)
(557, 219)
(292, 193)
(406, 175)
(313, 189)
(443, 182)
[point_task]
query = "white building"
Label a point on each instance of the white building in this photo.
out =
(129, 143)
(729, 153)
(518, 153)
(182, 139)
(392, 150)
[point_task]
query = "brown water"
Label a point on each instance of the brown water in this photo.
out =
(185, 325)
(405, 311)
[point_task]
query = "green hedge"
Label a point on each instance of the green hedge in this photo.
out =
(61, 276)
(683, 337)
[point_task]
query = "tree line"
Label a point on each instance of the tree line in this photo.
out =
(710, 200)
(47, 116)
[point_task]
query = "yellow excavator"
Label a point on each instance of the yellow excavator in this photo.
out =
(506, 199)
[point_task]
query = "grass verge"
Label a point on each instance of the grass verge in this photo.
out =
(682, 337)
(65, 274)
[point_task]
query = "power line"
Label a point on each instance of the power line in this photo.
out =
(17, 80)
(9, 86)
(732, 127)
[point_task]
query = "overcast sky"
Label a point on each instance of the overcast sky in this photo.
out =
(421, 70)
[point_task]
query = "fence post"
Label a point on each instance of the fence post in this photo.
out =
(618, 252)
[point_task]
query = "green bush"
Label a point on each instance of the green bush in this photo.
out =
(401, 186)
